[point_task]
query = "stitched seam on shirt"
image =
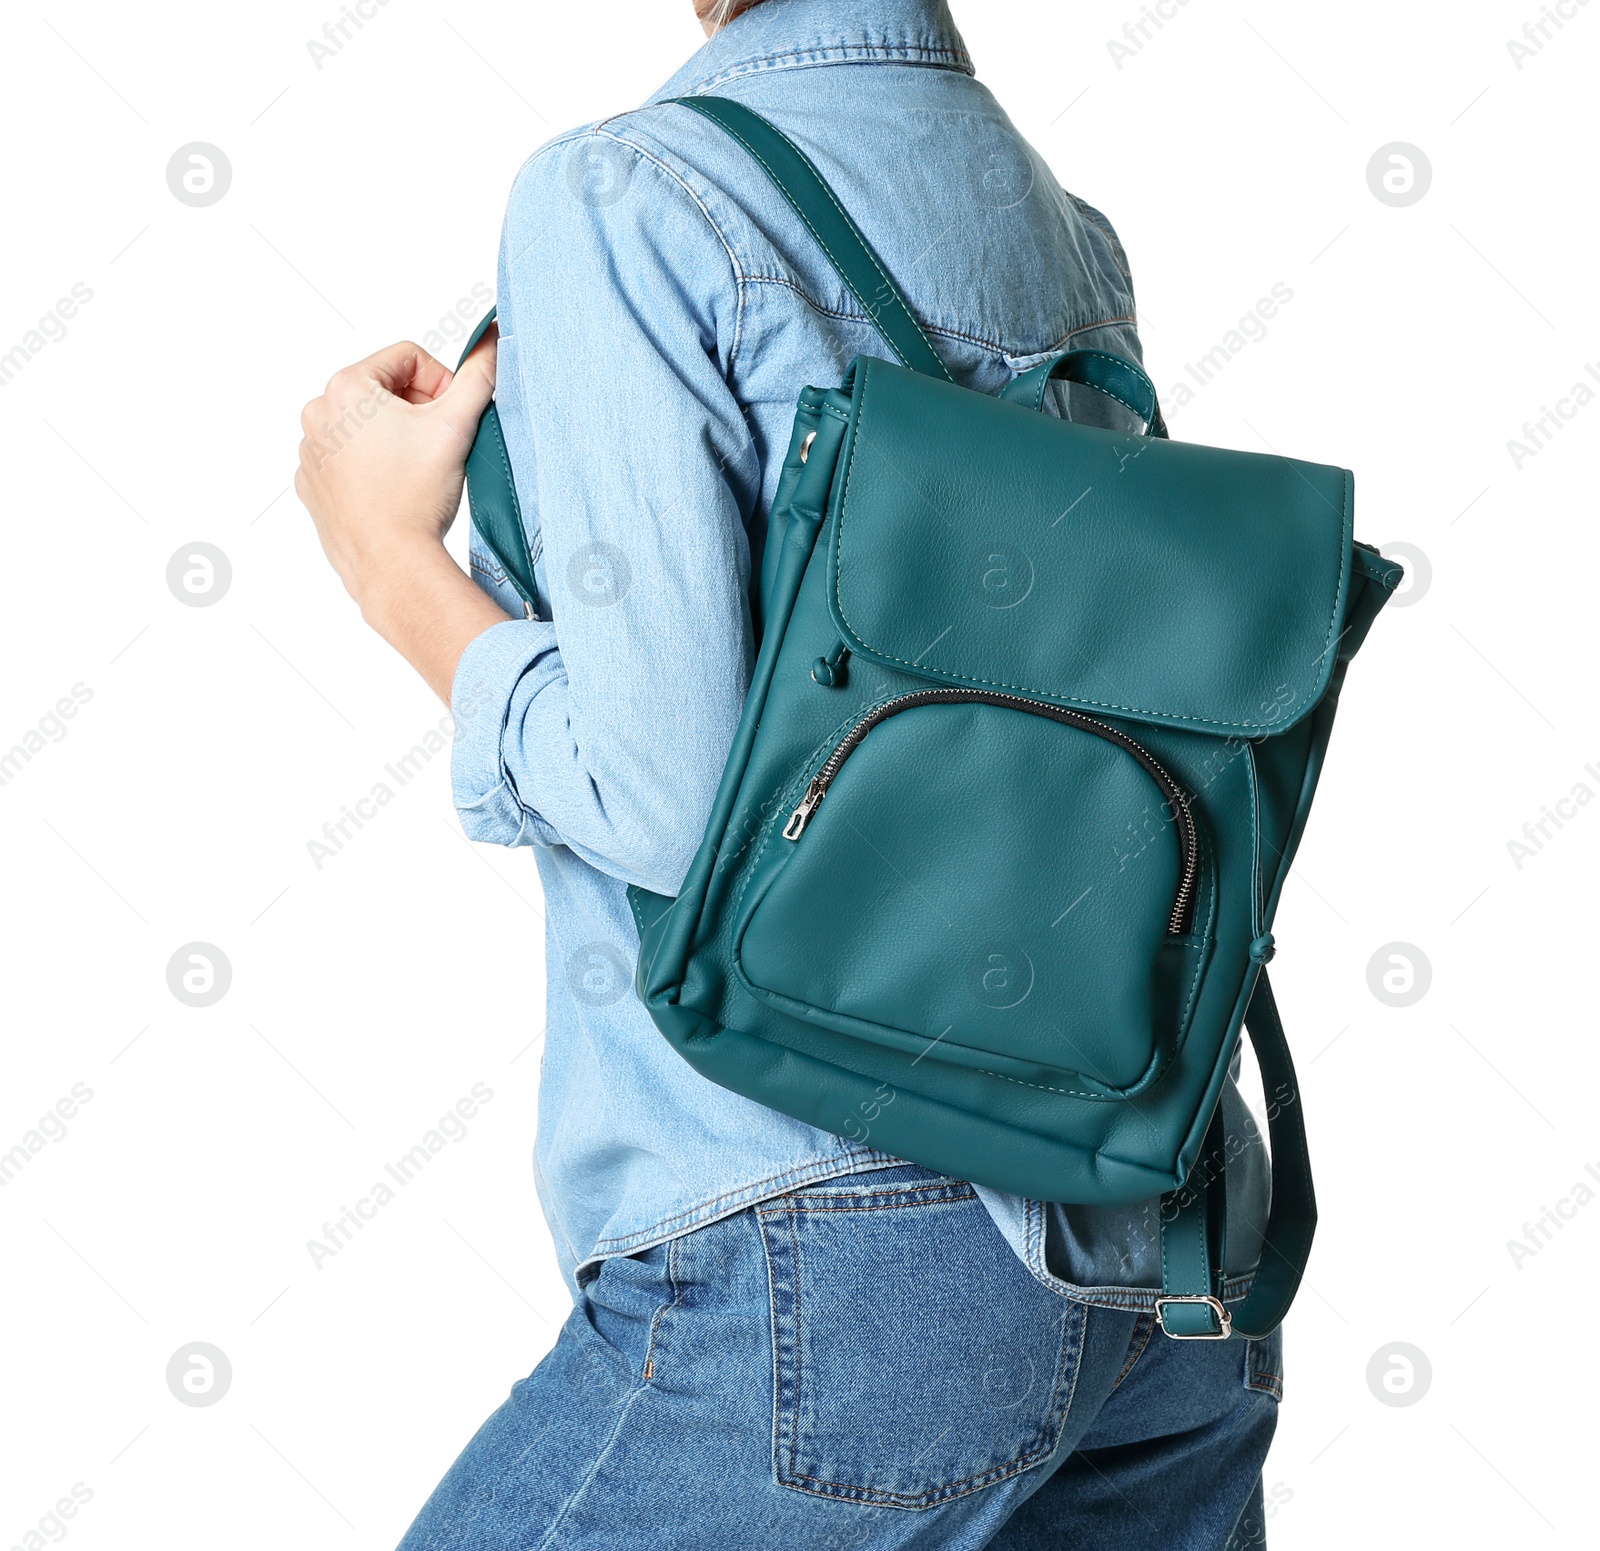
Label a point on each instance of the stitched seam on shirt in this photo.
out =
(842, 1163)
(942, 330)
(655, 161)
(738, 319)
(890, 1206)
(821, 240)
(699, 204)
(1103, 226)
(741, 278)
(934, 1193)
(902, 54)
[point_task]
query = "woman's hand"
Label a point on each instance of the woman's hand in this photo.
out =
(384, 455)
(381, 470)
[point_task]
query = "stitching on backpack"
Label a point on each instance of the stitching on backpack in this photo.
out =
(792, 786)
(505, 465)
(1116, 360)
(1120, 1097)
(1256, 925)
(1045, 1088)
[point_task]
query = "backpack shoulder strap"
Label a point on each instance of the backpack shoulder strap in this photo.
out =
(492, 494)
(1190, 1306)
(813, 201)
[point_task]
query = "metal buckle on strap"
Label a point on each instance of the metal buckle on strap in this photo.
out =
(1224, 1318)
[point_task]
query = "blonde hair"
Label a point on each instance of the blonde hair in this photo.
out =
(716, 14)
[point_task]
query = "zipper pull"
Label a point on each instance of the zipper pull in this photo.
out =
(802, 815)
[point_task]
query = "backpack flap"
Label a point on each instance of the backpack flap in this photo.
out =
(979, 543)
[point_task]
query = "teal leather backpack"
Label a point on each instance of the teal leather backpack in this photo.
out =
(1036, 722)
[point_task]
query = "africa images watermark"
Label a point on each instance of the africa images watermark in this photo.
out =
(54, 1526)
(1539, 32)
(1553, 818)
(353, 817)
(50, 728)
(51, 329)
(1538, 434)
(1136, 34)
(1541, 1232)
(338, 32)
(333, 436)
(457, 324)
(450, 1127)
(50, 1127)
(1251, 329)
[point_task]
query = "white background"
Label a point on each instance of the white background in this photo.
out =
(369, 995)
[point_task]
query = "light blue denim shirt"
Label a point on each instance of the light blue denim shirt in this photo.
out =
(660, 309)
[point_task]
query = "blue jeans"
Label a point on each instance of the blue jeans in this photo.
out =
(861, 1363)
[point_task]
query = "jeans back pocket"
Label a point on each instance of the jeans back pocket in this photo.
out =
(915, 1359)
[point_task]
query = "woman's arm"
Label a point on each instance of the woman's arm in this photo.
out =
(381, 471)
(604, 727)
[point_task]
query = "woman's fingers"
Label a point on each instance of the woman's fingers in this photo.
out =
(466, 397)
(408, 370)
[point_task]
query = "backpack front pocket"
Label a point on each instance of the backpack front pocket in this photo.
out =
(989, 880)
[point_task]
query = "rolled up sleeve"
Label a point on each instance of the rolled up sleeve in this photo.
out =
(604, 728)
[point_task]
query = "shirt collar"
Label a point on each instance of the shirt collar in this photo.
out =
(784, 34)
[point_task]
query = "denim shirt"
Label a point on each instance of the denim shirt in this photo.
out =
(660, 309)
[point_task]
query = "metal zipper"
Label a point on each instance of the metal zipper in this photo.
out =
(1183, 819)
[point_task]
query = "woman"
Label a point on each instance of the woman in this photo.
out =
(776, 1332)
